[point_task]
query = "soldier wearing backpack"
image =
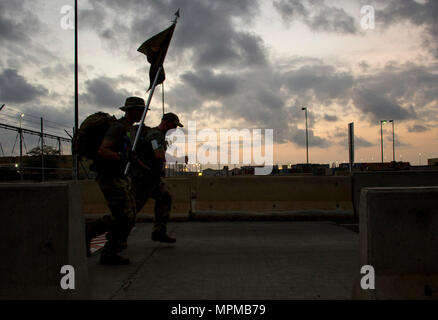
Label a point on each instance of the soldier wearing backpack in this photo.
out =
(147, 172)
(110, 160)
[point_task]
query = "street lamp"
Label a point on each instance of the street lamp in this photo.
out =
(21, 117)
(307, 136)
(419, 159)
(382, 122)
(21, 149)
(393, 140)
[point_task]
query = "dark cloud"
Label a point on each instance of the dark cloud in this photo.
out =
(14, 88)
(399, 92)
(417, 128)
(317, 15)
(16, 21)
(380, 107)
(272, 98)
(210, 85)
(18, 25)
(398, 141)
(299, 138)
(359, 143)
(330, 118)
(323, 82)
(255, 100)
(103, 93)
(206, 34)
(420, 14)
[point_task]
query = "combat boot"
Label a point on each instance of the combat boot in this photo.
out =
(162, 237)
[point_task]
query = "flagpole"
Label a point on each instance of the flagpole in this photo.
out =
(140, 127)
(75, 156)
(162, 91)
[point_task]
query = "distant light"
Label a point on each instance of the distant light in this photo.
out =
(200, 174)
(22, 115)
(16, 165)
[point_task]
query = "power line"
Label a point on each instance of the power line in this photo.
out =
(7, 108)
(35, 125)
(14, 117)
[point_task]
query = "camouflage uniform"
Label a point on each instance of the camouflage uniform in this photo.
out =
(147, 183)
(117, 191)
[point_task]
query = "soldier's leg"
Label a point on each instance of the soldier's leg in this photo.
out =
(133, 216)
(163, 204)
(141, 189)
(122, 206)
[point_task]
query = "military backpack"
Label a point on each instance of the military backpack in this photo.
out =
(87, 140)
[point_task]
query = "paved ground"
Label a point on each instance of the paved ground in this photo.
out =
(234, 260)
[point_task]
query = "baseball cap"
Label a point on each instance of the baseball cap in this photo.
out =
(173, 118)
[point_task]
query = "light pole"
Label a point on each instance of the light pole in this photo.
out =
(21, 149)
(307, 136)
(419, 159)
(382, 122)
(75, 159)
(393, 140)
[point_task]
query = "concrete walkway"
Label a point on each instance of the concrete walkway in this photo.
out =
(234, 260)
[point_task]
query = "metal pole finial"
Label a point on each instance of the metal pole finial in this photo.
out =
(176, 16)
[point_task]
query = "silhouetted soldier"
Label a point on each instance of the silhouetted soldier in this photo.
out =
(147, 173)
(110, 163)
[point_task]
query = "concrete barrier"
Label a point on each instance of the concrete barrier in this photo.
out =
(41, 230)
(389, 179)
(399, 238)
(180, 189)
(272, 194)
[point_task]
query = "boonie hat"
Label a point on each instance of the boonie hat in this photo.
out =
(173, 118)
(133, 102)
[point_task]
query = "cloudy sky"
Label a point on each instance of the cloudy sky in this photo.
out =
(235, 64)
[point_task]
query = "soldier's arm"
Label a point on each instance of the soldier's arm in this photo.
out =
(159, 151)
